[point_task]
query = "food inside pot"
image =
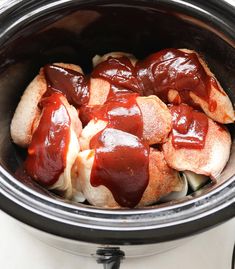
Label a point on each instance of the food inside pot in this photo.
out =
(130, 134)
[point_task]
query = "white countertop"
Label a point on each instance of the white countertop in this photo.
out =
(209, 250)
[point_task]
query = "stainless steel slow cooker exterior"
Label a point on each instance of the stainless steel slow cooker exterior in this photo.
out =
(33, 33)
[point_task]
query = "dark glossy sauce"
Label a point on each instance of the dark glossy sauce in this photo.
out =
(87, 112)
(121, 164)
(160, 72)
(118, 72)
(121, 157)
(121, 112)
(74, 85)
(47, 152)
(189, 127)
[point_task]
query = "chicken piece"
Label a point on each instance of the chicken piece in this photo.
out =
(116, 54)
(73, 67)
(64, 184)
(162, 180)
(98, 91)
(42, 163)
(156, 119)
(97, 196)
(91, 129)
(179, 194)
(27, 113)
(223, 111)
(174, 97)
(209, 161)
(219, 107)
(156, 122)
(100, 88)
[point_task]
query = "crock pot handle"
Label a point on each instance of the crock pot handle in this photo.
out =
(110, 257)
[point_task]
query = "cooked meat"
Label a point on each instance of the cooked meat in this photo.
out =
(156, 119)
(116, 54)
(209, 161)
(162, 180)
(156, 122)
(45, 144)
(64, 184)
(99, 91)
(223, 111)
(92, 128)
(27, 114)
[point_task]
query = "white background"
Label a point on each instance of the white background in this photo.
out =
(209, 250)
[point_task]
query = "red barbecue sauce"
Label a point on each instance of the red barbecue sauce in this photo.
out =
(160, 72)
(121, 157)
(74, 85)
(118, 72)
(121, 112)
(189, 127)
(47, 152)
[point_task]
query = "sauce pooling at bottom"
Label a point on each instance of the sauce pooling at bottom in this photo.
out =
(189, 127)
(47, 152)
(121, 157)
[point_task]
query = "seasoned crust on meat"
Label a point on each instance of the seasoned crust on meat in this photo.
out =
(99, 91)
(64, 182)
(223, 112)
(27, 113)
(162, 180)
(209, 161)
(157, 120)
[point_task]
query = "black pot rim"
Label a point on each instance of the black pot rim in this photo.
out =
(139, 226)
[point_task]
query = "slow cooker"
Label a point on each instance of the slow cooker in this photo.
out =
(33, 33)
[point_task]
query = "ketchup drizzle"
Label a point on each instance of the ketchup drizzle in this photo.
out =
(118, 72)
(189, 127)
(121, 164)
(122, 112)
(121, 157)
(47, 152)
(74, 85)
(169, 69)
